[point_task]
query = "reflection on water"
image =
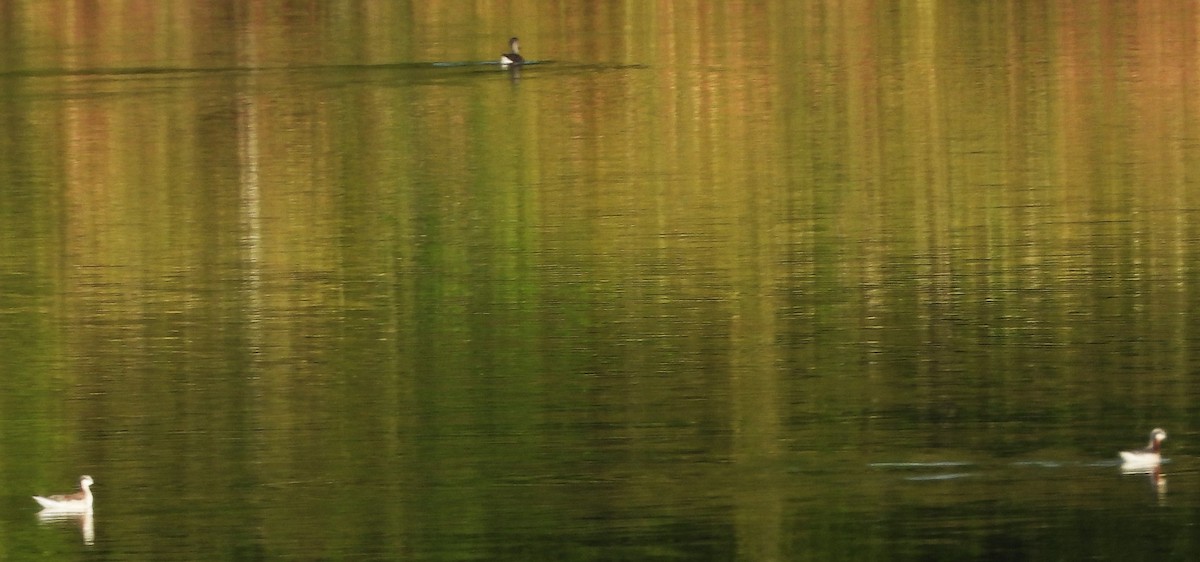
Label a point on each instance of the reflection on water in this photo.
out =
(869, 284)
(1155, 476)
(84, 520)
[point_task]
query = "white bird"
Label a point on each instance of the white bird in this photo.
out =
(78, 502)
(1148, 457)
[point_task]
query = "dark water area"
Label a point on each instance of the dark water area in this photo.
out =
(748, 281)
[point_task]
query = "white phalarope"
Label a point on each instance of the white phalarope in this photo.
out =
(1148, 457)
(78, 502)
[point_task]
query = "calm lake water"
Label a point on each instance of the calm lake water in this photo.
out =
(709, 281)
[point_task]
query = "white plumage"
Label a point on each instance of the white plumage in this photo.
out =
(1150, 456)
(78, 502)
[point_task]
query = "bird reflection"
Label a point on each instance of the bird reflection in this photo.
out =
(87, 524)
(1159, 481)
(1154, 475)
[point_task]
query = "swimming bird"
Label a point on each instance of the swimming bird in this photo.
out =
(1147, 457)
(515, 56)
(78, 502)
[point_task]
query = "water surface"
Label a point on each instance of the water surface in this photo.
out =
(875, 283)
